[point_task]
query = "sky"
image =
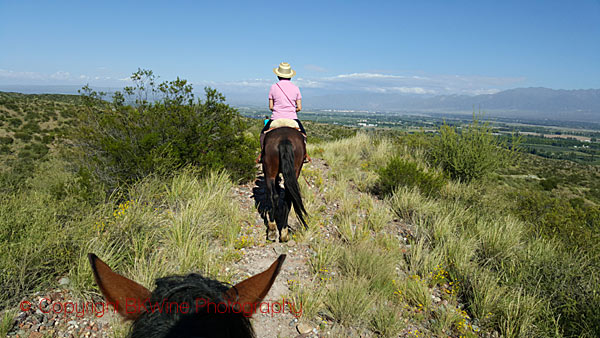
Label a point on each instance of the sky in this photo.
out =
(403, 47)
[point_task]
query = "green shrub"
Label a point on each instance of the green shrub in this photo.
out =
(23, 136)
(31, 127)
(400, 172)
(549, 184)
(39, 230)
(572, 223)
(46, 139)
(6, 140)
(15, 122)
(470, 154)
(122, 143)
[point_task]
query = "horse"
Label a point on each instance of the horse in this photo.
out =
(284, 152)
(185, 306)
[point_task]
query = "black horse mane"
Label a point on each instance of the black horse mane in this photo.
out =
(208, 314)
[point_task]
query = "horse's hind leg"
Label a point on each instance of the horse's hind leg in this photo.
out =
(284, 237)
(273, 197)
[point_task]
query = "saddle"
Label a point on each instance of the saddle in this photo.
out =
(290, 123)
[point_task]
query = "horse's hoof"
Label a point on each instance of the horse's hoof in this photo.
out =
(284, 235)
(272, 235)
(272, 232)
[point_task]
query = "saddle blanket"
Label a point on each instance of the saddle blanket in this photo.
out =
(283, 123)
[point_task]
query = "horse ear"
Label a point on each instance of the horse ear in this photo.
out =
(254, 289)
(118, 290)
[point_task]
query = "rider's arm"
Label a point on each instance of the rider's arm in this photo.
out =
(298, 105)
(271, 104)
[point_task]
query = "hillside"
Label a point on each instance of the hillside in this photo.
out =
(512, 254)
(537, 103)
(31, 125)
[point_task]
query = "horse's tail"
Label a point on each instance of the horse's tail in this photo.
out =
(286, 164)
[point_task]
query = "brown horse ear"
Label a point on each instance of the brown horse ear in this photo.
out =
(118, 290)
(250, 292)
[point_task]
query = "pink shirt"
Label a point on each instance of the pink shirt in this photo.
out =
(282, 107)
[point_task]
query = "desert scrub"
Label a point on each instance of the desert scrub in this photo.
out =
(386, 319)
(123, 143)
(401, 172)
(471, 153)
(159, 226)
(349, 300)
(307, 300)
(7, 319)
(40, 237)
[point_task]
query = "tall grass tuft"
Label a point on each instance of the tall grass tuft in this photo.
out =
(349, 301)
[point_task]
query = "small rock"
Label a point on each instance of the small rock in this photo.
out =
(304, 328)
(64, 281)
(21, 316)
(279, 249)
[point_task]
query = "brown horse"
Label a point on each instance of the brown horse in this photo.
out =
(284, 151)
(185, 306)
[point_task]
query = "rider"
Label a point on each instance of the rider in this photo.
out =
(285, 101)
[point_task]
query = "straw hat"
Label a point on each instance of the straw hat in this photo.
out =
(284, 70)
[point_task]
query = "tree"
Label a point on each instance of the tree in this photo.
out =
(124, 142)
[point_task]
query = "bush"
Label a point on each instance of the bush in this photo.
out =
(122, 143)
(471, 154)
(15, 122)
(25, 137)
(574, 225)
(400, 172)
(6, 140)
(549, 184)
(40, 229)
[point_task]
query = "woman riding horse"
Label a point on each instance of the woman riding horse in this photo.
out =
(285, 101)
(284, 151)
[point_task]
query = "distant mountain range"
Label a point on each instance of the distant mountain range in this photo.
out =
(538, 103)
(531, 103)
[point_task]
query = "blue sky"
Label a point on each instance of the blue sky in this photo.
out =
(415, 47)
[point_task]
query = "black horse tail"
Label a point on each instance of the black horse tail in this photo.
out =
(286, 164)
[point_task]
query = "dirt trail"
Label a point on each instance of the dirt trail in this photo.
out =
(262, 253)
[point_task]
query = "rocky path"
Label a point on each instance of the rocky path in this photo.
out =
(262, 253)
(58, 313)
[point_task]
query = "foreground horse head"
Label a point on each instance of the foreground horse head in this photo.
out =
(185, 306)
(284, 151)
